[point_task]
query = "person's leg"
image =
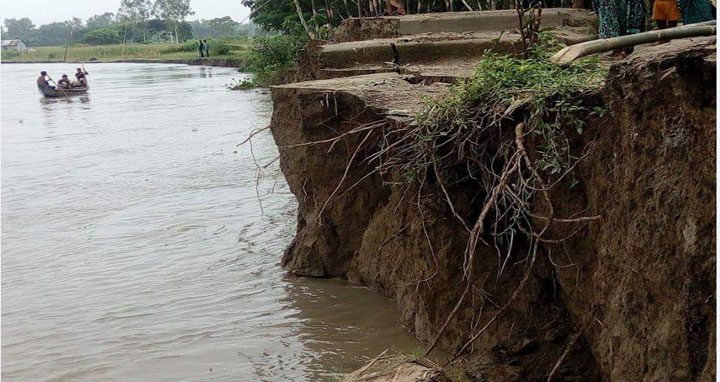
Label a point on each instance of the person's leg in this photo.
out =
(658, 15)
(608, 19)
(634, 20)
(608, 22)
(672, 23)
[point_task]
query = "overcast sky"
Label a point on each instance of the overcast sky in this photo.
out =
(47, 11)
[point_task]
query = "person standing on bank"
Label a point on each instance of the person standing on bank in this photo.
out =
(666, 13)
(620, 18)
(206, 44)
(696, 11)
(201, 49)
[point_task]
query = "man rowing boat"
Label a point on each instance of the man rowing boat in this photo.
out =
(80, 75)
(42, 81)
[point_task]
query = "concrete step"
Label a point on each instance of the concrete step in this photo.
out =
(368, 28)
(392, 95)
(443, 71)
(430, 47)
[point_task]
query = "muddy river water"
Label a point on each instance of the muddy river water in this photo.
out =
(140, 244)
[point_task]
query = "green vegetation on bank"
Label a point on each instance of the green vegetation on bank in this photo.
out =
(269, 59)
(236, 48)
(501, 85)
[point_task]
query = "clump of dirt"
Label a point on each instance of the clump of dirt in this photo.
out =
(307, 64)
(354, 29)
(397, 368)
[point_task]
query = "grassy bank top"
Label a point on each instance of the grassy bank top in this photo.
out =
(237, 48)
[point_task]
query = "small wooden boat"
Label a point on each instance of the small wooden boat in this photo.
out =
(54, 93)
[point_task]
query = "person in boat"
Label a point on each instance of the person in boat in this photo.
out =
(42, 81)
(80, 75)
(64, 82)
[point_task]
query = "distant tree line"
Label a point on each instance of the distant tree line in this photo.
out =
(137, 21)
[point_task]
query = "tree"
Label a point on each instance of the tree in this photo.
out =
(174, 11)
(75, 23)
(53, 34)
(157, 25)
(18, 28)
(223, 26)
(134, 10)
(101, 21)
(102, 36)
(185, 31)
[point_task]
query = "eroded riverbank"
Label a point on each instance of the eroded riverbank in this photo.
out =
(625, 277)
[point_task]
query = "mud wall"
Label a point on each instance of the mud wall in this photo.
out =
(647, 267)
(636, 286)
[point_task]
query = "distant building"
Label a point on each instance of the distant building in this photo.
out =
(13, 45)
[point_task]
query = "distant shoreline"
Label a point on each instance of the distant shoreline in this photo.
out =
(224, 54)
(219, 62)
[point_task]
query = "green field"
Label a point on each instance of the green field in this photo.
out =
(159, 51)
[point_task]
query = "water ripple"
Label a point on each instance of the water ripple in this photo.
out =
(134, 247)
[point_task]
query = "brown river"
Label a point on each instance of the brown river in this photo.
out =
(140, 244)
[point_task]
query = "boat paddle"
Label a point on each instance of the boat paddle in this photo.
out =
(85, 71)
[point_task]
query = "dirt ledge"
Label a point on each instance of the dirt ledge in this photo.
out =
(642, 276)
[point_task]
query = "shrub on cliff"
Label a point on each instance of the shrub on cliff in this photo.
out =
(502, 85)
(271, 56)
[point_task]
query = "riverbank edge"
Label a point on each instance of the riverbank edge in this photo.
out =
(642, 271)
(218, 62)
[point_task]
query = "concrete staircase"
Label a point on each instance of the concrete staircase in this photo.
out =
(381, 60)
(356, 29)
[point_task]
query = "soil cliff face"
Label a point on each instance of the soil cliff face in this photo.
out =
(648, 266)
(629, 296)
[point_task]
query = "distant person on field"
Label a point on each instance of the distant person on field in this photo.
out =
(80, 75)
(207, 48)
(666, 13)
(394, 8)
(64, 82)
(42, 82)
(696, 11)
(201, 48)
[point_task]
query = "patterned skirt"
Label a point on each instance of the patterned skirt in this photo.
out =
(620, 17)
(696, 11)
